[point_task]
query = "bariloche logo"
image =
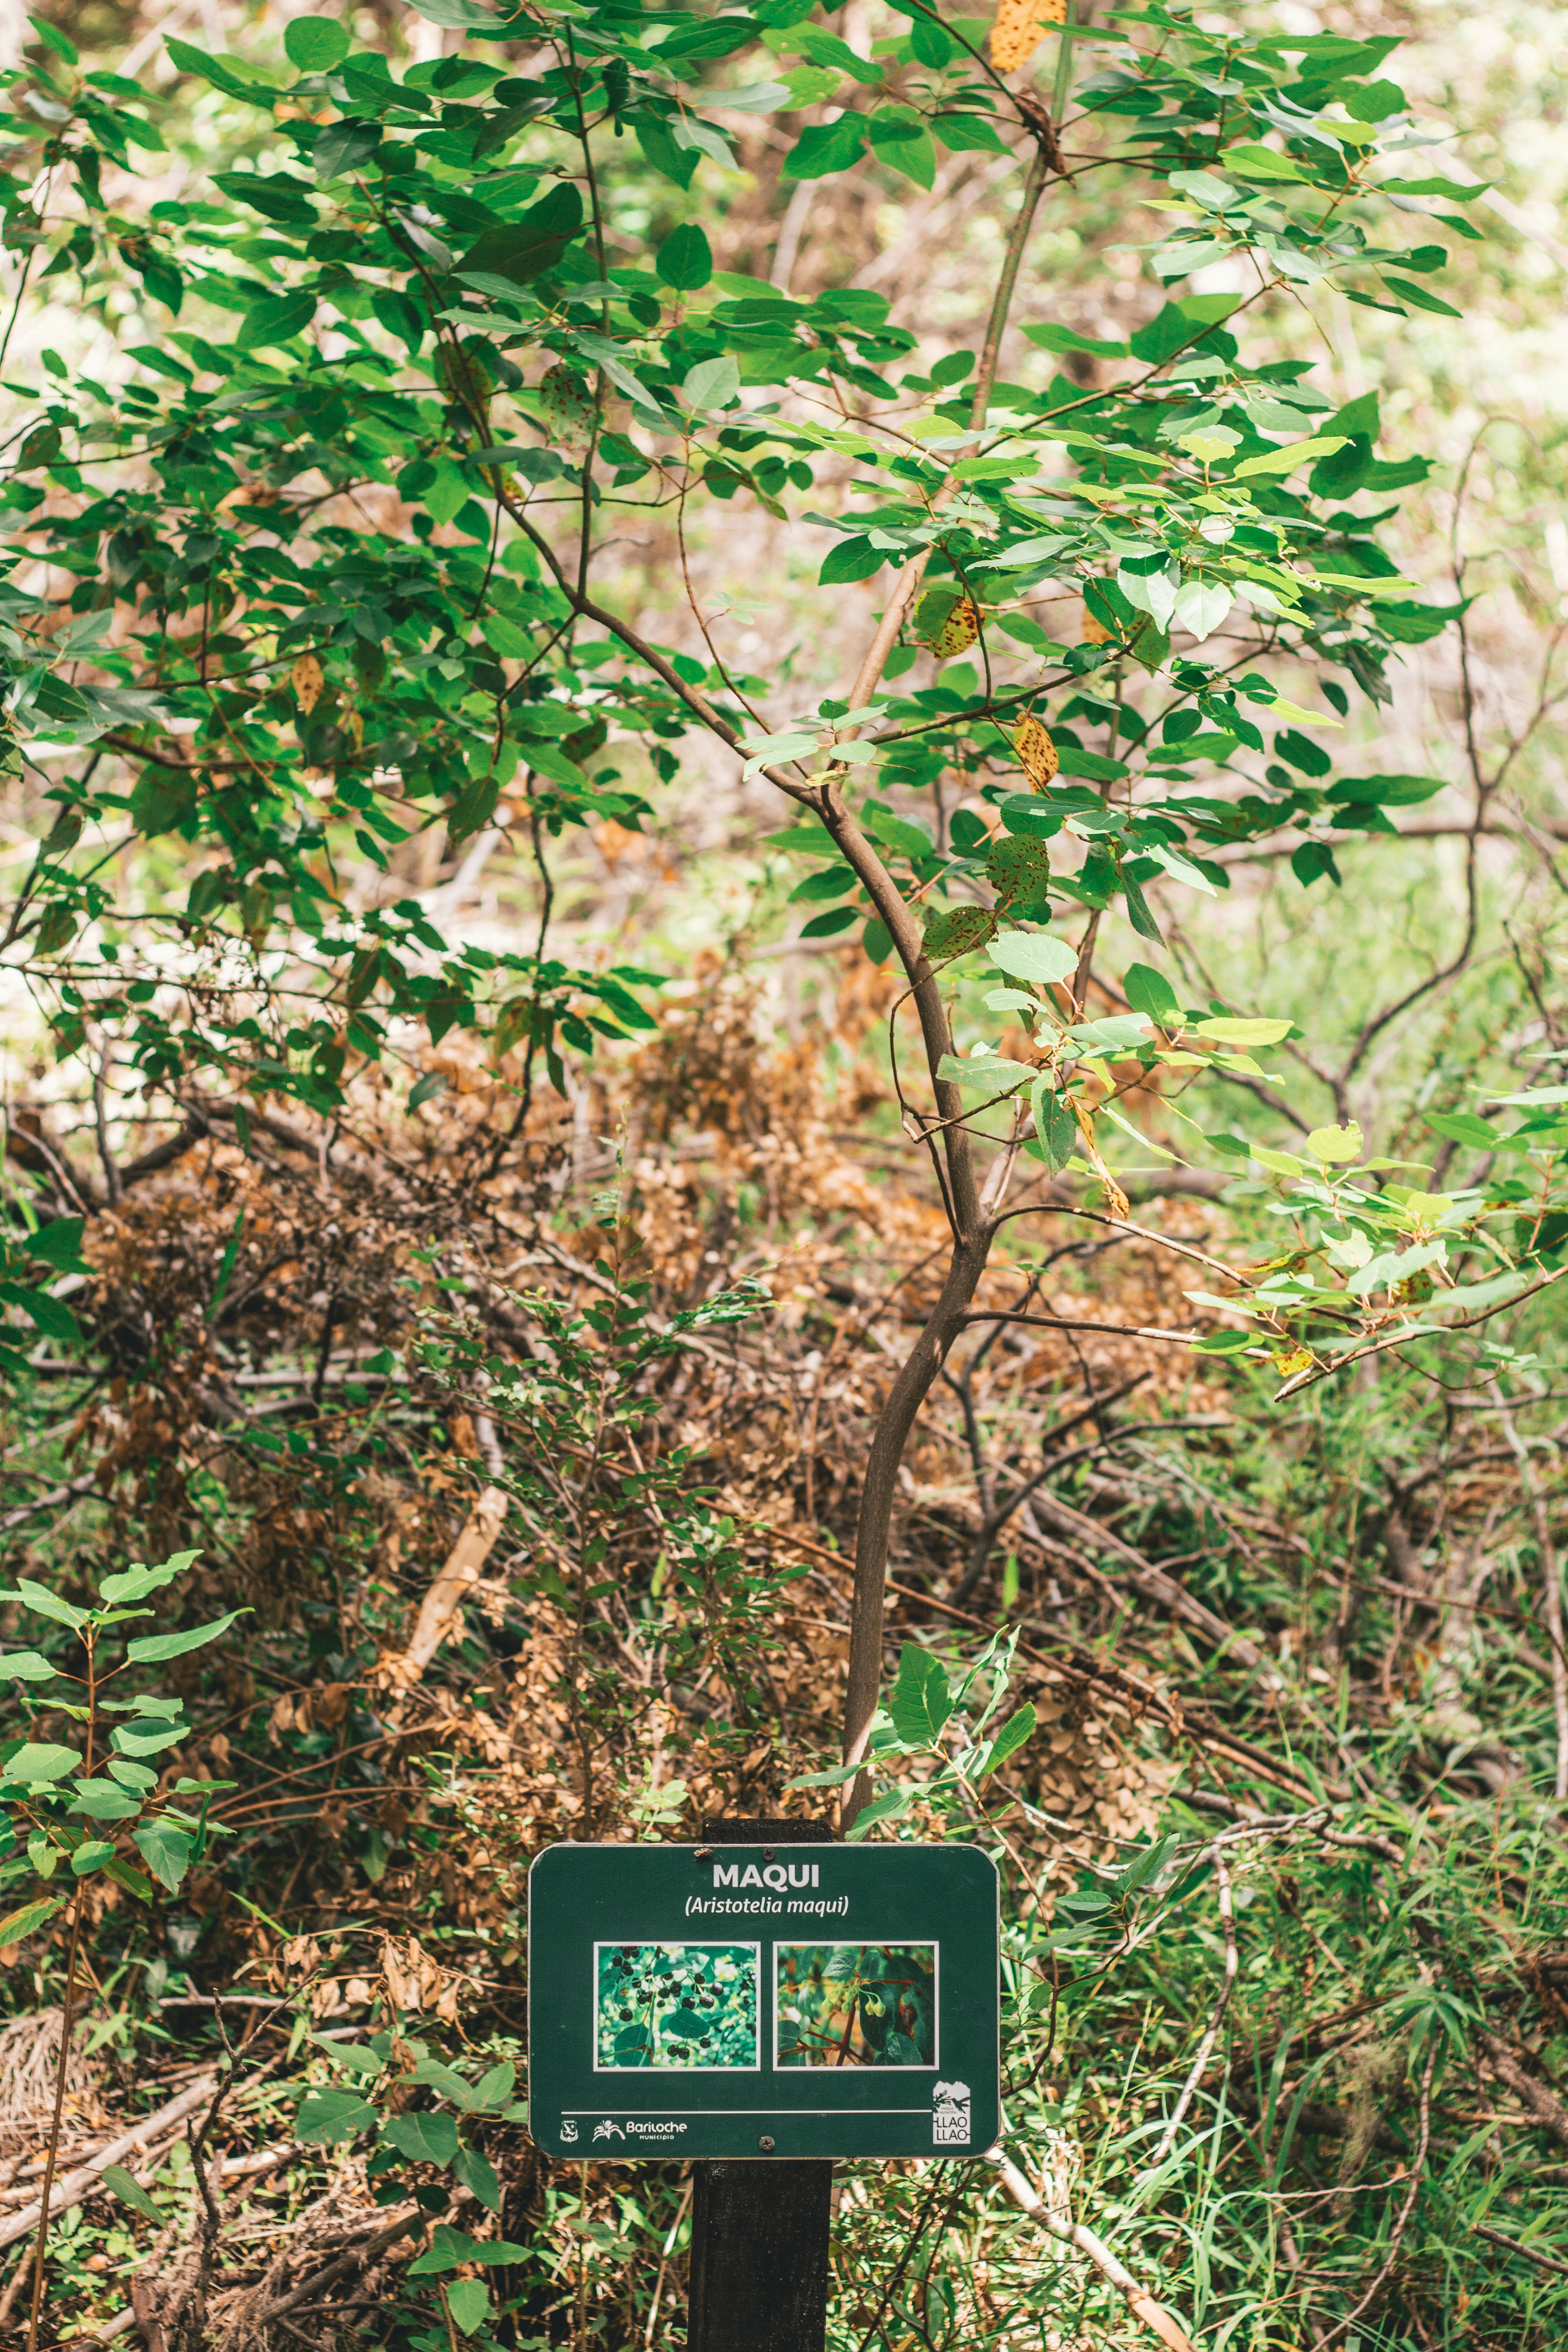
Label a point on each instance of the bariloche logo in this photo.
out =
(568, 2129)
(950, 2114)
(608, 2130)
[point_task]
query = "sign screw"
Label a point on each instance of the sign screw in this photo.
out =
(766, 2145)
(768, 1853)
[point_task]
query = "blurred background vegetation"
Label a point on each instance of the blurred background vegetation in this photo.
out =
(1354, 1962)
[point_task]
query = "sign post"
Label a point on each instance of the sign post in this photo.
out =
(760, 2231)
(762, 2003)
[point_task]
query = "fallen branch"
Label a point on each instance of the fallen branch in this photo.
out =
(443, 1602)
(1518, 2246)
(1082, 2241)
(1543, 2105)
(357, 2256)
(1150, 1582)
(71, 2186)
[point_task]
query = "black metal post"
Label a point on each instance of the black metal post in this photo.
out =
(759, 2228)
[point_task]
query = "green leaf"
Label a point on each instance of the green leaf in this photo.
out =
(712, 383)
(495, 2088)
(477, 2172)
(343, 148)
(48, 1316)
(1286, 460)
(988, 1074)
(135, 1881)
(105, 1801)
(25, 1666)
(525, 249)
(445, 2081)
(1419, 296)
(231, 75)
(91, 1854)
(122, 2183)
(1244, 1032)
(458, 16)
(152, 1649)
(1249, 161)
(890, 1806)
(1385, 791)
(1039, 956)
(327, 2118)
(1151, 993)
(277, 197)
(449, 2248)
(18, 1925)
(1067, 338)
(53, 38)
(902, 141)
(315, 44)
(161, 802)
(469, 2302)
(1145, 1866)
(148, 1743)
(827, 148)
(424, 2138)
(1338, 1146)
(1055, 1126)
(39, 1760)
(136, 1581)
(1459, 1126)
(1412, 624)
(920, 1702)
(58, 1243)
(276, 319)
(852, 558)
(1009, 1739)
(166, 1851)
(1115, 1032)
(685, 259)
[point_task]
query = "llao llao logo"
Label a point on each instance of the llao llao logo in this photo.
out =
(950, 2114)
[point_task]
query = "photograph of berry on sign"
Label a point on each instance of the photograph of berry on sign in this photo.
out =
(731, 2000)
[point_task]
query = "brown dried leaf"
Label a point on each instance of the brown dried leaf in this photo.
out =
(309, 682)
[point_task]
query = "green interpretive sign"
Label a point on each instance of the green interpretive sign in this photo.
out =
(737, 2000)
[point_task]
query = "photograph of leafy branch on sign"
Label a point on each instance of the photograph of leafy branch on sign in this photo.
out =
(676, 2007)
(855, 2004)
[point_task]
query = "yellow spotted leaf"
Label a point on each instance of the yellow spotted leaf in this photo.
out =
(309, 682)
(566, 407)
(1021, 26)
(465, 374)
(958, 632)
(1036, 753)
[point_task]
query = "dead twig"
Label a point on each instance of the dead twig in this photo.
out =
(71, 2186)
(1082, 2241)
(1211, 2032)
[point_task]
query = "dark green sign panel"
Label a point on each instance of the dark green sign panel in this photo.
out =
(759, 2001)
